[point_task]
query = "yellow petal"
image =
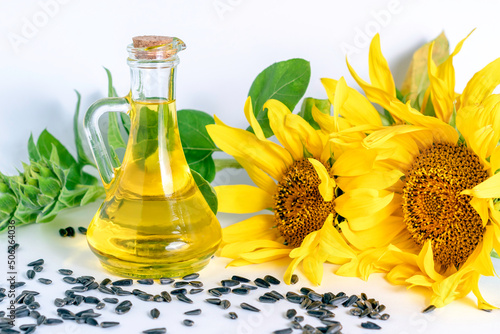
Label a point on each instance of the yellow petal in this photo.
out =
(277, 113)
(333, 244)
(252, 120)
(354, 162)
(495, 160)
(236, 249)
(420, 280)
(255, 227)
(400, 273)
(362, 202)
(481, 85)
(266, 155)
(380, 73)
(327, 185)
(487, 189)
(481, 207)
(375, 180)
(291, 268)
(238, 263)
(265, 255)
(340, 99)
(481, 302)
(258, 176)
(313, 269)
(426, 262)
(305, 133)
(243, 199)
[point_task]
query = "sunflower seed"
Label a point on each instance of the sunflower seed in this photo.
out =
(225, 304)
(26, 327)
(13, 248)
(329, 322)
(193, 312)
(338, 300)
(123, 282)
(314, 296)
(249, 307)
(61, 311)
(81, 313)
(91, 322)
(267, 299)
(188, 322)
(20, 299)
(154, 313)
(283, 331)
(38, 268)
(292, 297)
(105, 289)
(305, 303)
(229, 283)
(122, 292)
(166, 280)
(215, 301)
(214, 292)
(146, 281)
(123, 307)
(327, 297)
(180, 284)
(272, 280)
(158, 298)
(70, 231)
(191, 277)
(429, 308)
(145, 297)
(33, 314)
(18, 284)
(21, 313)
(348, 303)
(299, 318)
(314, 305)
(384, 316)
(365, 313)
(59, 302)
(38, 262)
(249, 287)
(241, 291)
(63, 232)
(136, 292)
(161, 330)
(178, 291)
(240, 279)
(69, 280)
(262, 283)
(381, 308)
(100, 305)
(233, 315)
(166, 296)
(34, 305)
(196, 284)
(107, 324)
(78, 300)
(52, 321)
(91, 300)
(363, 296)
(294, 279)
(82, 230)
(370, 325)
(195, 291)
(291, 313)
(184, 299)
(79, 288)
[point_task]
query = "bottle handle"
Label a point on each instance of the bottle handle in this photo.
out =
(98, 147)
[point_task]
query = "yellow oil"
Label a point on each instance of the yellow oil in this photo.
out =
(154, 221)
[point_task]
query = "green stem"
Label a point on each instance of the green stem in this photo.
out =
(221, 164)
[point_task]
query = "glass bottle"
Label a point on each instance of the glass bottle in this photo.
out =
(154, 221)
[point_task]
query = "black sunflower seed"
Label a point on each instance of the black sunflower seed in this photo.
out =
(93, 286)
(12, 248)
(26, 327)
(193, 312)
(381, 308)
(45, 281)
(429, 308)
(314, 296)
(122, 292)
(158, 298)
(291, 313)
(91, 322)
(123, 282)
(166, 296)
(215, 301)
(305, 291)
(82, 230)
(107, 324)
(38, 268)
(275, 294)
(105, 289)
(123, 307)
(267, 299)
(183, 298)
(249, 307)
(233, 315)
(105, 282)
(21, 313)
(100, 305)
(299, 318)
(196, 284)
(292, 297)
(145, 297)
(59, 302)
(249, 287)
(350, 301)
(178, 291)
(33, 314)
(283, 331)
(136, 292)
(241, 291)
(314, 305)
(294, 279)
(365, 313)
(91, 300)
(316, 313)
(225, 304)
(363, 296)
(191, 277)
(69, 280)
(61, 311)
(384, 316)
(327, 297)
(63, 232)
(188, 322)
(240, 279)
(154, 313)
(262, 283)
(338, 300)
(161, 330)
(146, 281)
(166, 280)
(78, 300)
(272, 280)
(214, 293)
(370, 325)
(52, 321)
(195, 291)
(79, 314)
(18, 284)
(40, 320)
(229, 283)
(30, 274)
(305, 303)
(180, 284)
(79, 288)
(70, 231)
(34, 305)
(38, 262)
(296, 325)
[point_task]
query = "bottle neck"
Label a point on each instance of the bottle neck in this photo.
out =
(152, 81)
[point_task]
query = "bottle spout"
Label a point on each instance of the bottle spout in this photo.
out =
(155, 47)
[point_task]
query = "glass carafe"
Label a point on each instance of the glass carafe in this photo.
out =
(154, 221)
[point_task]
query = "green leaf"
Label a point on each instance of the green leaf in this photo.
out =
(111, 89)
(49, 187)
(207, 191)
(285, 81)
(417, 78)
(92, 194)
(306, 110)
(196, 142)
(32, 150)
(46, 142)
(495, 254)
(115, 139)
(147, 135)
(83, 158)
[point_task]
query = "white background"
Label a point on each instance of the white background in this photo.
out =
(50, 47)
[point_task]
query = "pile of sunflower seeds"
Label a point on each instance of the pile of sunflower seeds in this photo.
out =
(313, 305)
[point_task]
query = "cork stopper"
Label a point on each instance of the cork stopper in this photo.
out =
(156, 47)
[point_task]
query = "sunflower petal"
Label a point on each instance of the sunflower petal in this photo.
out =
(313, 268)
(291, 268)
(362, 202)
(487, 189)
(420, 280)
(243, 199)
(252, 120)
(238, 263)
(426, 262)
(236, 249)
(258, 176)
(375, 180)
(265, 255)
(327, 184)
(481, 85)
(277, 113)
(401, 273)
(340, 99)
(305, 133)
(253, 228)
(380, 73)
(355, 162)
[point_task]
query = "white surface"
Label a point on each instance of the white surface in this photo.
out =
(43, 241)
(50, 47)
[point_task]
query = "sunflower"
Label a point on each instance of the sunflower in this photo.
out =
(427, 212)
(296, 181)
